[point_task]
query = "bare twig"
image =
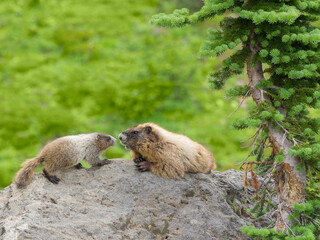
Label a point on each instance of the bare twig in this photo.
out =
(283, 138)
(254, 162)
(283, 220)
(315, 221)
(274, 87)
(266, 181)
(253, 148)
(263, 147)
(287, 130)
(274, 213)
(295, 141)
(244, 97)
(256, 135)
(262, 91)
(248, 138)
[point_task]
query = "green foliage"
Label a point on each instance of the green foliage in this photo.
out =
(306, 225)
(181, 17)
(313, 185)
(263, 53)
(279, 158)
(71, 67)
(245, 123)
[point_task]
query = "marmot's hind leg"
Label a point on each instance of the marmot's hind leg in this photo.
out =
(52, 178)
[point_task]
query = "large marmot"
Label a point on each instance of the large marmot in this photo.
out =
(66, 152)
(164, 153)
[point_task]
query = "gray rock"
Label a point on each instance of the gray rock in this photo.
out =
(118, 202)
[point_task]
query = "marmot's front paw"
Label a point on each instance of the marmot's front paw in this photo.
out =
(139, 160)
(143, 166)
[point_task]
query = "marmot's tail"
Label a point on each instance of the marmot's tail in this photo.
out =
(24, 176)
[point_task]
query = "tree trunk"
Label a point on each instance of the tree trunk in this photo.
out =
(289, 183)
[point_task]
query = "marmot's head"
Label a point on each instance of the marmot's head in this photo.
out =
(138, 136)
(104, 141)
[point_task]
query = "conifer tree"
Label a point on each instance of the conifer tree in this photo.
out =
(277, 44)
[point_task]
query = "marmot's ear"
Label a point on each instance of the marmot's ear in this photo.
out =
(98, 137)
(148, 129)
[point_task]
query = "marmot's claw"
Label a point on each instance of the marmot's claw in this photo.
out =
(139, 160)
(51, 178)
(57, 180)
(139, 168)
(78, 166)
(143, 166)
(142, 170)
(54, 179)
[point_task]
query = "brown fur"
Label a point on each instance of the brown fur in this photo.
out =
(170, 155)
(64, 153)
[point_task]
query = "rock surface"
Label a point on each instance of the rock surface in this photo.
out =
(118, 202)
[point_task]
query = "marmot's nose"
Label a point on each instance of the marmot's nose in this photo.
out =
(121, 137)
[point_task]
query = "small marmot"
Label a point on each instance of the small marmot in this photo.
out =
(66, 152)
(164, 153)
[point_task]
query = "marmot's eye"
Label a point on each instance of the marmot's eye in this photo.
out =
(108, 138)
(135, 132)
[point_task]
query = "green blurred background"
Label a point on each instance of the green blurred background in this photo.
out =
(78, 66)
